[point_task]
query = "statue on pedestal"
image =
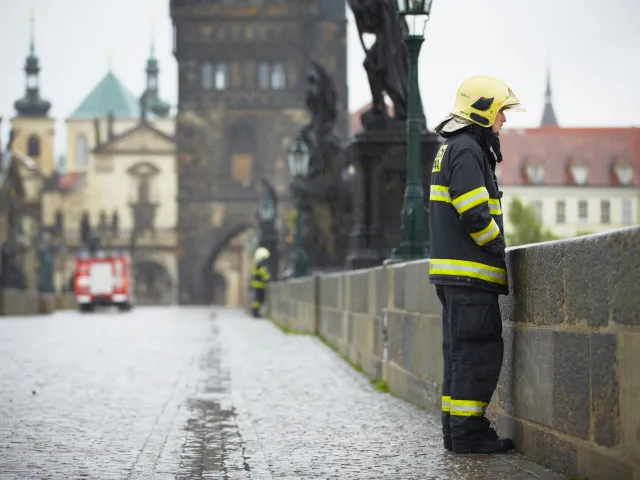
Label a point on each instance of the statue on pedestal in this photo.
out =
(326, 204)
(385, 61)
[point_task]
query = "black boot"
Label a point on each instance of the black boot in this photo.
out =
(487, 445)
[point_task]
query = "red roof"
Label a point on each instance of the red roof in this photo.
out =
(557, 149)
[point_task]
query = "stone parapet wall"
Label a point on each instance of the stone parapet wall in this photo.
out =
(31, 302)
(569, 392)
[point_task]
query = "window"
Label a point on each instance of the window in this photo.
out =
(263, 75)
(242, 161)
(33, 146)
(627, 212)
(624, 174)
(537, 207)
(561, 207)
(579, 174)
(536, 174)
(222, 76)
(207, 76)
(61, 163)
(583, 212)
(82, 151)
(605, 212)
(278, 77)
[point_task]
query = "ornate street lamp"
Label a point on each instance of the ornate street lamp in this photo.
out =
(298, 158)
(414, 231)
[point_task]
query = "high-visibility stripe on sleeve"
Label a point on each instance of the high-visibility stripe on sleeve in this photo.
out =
(470, 199)
(467, 408)
(463, 268)
(494, 206)
(439, 193)
(446, 401)
(487, 234)
(257, 284)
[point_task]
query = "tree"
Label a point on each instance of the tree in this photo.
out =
(527, 226)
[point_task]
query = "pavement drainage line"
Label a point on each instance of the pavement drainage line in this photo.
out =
(181, 378)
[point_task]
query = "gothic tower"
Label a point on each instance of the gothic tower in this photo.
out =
(242, 67)
(34, 129)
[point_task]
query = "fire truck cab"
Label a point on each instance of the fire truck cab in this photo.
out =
(104, 279)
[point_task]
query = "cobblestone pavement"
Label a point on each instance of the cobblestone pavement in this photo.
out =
(206, 394)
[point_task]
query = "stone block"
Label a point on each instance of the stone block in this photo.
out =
(330, 287)
(549, 450)
(506, 382)
(629, 380)
(395, 327)
(46, 303)
(358, 291)
(381, 289)
(538, 275)
(19, 302)
(587, 271)
(571, 379)
(510, 427)
(605, 407)
(420, 295)
(532, 374)
(625, 286)
(409, 330)
(596, 465)
(398, 286)
(428, 352)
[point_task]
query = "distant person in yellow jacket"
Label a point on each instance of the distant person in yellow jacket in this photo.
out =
(259, 278)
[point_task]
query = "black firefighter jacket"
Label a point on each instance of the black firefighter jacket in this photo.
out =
(467, 233)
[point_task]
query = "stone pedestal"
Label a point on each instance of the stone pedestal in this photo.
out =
(380, 159)
(47, 303)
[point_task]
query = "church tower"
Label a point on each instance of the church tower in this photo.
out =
(154, 103)
(34, 129)
(242, 67)
(548, 115)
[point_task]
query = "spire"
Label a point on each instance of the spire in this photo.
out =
(548, 115)
(31, 105)
(152, 101)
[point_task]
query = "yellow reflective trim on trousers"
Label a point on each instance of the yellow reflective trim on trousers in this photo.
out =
(487, 234)
(257, 284)
(494, 206)
(467, 408)
(256, 304)
(439, 193)
(463, 268)
(445, 403)
(470, 199)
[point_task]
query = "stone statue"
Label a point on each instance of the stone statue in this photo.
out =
(385, 61)
(324, 210)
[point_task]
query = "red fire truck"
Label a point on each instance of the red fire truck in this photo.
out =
(104, 279)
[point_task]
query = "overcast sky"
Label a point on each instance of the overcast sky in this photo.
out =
(591, 46)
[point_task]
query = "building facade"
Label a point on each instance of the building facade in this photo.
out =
(242, 77)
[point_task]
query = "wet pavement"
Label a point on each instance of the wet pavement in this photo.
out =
(206, 394)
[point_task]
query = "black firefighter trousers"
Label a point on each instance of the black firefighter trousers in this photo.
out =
(472, 348)
(259, 296)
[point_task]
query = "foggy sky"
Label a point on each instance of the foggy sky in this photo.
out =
(591, 48)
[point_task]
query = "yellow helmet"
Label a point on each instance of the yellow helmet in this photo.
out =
(261, 254)
(478, 100)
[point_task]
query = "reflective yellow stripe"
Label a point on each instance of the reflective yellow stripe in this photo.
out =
(463, 268)
(487, 234)
(467, 408)
(256, 304)
(471, 199)
(439, 193)
(445, 403)
(263, 273)
(257, 284)
(494, 206)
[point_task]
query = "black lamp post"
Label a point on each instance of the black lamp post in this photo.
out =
(414, 230)
(298, 158)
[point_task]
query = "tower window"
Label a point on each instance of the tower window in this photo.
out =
(82, 151)
(222, 76)
(583, 212)
(33, 146)
(278, 77)
(207, 76)
(263, 75)
(605, 212)
(560, 211)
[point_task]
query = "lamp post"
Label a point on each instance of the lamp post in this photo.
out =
(298, 159)
(414, 230)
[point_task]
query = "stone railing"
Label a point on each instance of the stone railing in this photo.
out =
(569, 392)
(31, 302)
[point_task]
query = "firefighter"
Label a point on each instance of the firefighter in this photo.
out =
(259, 278)
(468, 260)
